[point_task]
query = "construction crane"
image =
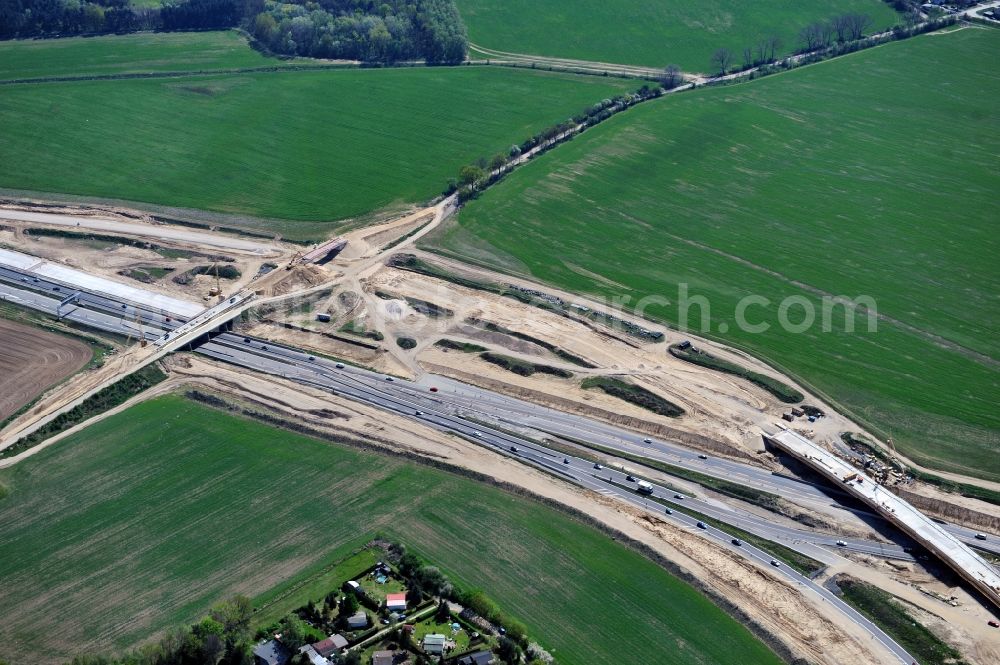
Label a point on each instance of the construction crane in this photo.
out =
(138, 326)
(142, 332)
(292, 261)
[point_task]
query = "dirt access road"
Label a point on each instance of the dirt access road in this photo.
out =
(88, 222)
(31, 360)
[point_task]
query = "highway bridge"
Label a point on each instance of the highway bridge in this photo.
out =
(969, 565)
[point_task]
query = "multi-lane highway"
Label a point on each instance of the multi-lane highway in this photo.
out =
(471, 405)
(465, 410)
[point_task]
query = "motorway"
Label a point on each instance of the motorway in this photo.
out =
(464, 410)
(475, 406)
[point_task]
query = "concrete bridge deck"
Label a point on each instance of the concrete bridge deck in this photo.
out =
(969, 565)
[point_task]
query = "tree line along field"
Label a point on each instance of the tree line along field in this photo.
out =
(145, 519)
(873, 174)
(653, 33)
(305, 146)
(129, 54)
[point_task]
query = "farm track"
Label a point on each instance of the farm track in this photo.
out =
(31, 360)
(590, 66)
(184, 73)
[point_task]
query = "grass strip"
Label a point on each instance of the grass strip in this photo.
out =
(964, 489)
(98, 403)
(464, 347)
(635, 394)
(565, 355)
(783, 392)
(893, 618)
(523, 367)
(428, 308)
(404, 238)
(355, 328)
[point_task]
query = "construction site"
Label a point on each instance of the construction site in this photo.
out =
(354, 300)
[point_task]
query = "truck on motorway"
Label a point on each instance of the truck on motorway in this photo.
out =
(642, 487)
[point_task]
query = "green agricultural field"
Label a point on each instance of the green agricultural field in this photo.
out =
(145, 519)
(874, 174)
(303, 145)
(128, 54)
(653, 33)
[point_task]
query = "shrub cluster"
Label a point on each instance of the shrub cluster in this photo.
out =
(383, 32)
(635, 394)
(523, 367)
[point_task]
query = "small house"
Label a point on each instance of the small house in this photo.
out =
(270, 653)
(434, 643)
(313, 656)
(478, 658)
(358, 621)
(383, 658)
(395, 602)
(330, 645)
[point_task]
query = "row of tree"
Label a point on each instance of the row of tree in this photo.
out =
(387, 32)
(382, 31)
(475, 177)
(837, 49)
(821, 34)
(60, 18)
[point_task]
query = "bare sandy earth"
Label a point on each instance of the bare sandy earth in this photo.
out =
(32, 360)
(719, 406)
(110, 224)
(100, 259)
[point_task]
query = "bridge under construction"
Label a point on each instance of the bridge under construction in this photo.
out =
(969, 565)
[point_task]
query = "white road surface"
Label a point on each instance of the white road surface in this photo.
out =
(77, 278)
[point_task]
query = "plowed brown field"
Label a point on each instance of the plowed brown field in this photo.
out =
(32, 360)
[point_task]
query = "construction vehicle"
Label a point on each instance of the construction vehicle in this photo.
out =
(216, 291)
(292, 261)
(851, 477)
